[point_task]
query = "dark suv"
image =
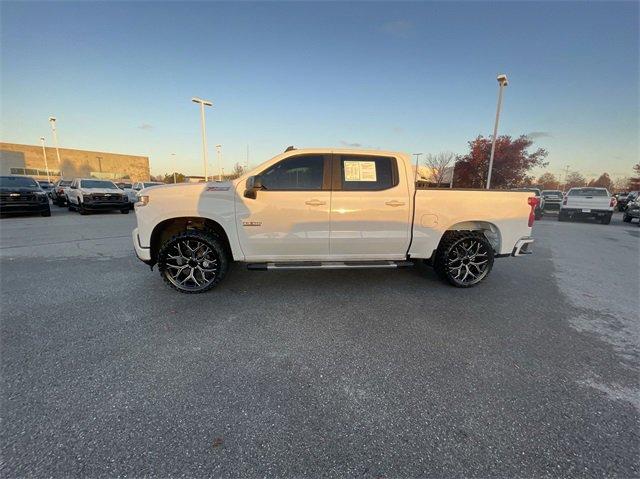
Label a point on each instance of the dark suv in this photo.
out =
(22, 194)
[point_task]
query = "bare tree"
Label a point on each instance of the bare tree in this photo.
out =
(438, 165)
(238, 171)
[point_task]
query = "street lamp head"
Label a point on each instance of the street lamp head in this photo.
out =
(42, 139)
(52, 118)
(195, 99)
(502, 80)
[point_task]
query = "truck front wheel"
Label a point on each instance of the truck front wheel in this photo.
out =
(192, 261)
(463, 258)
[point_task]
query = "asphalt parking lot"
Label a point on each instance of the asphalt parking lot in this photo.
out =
(377, 373)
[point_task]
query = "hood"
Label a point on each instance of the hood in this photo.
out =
(20, 189)
(109, 191)
(213, 188)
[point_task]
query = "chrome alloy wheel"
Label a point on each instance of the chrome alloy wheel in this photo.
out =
(191, 264)
(468, 261)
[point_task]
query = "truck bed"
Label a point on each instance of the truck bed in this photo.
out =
(503, 215)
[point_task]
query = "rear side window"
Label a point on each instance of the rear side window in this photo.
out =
(304, 172)
(589, 192)
(361, 173)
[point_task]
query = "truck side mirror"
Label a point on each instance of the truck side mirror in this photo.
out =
(254, 183)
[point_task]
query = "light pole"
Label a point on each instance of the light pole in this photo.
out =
(46, 165)
(503, 82)
(203, 103)
(52, 121)
(453, 172)
(173, 155)
(417, 155)
(219, 154)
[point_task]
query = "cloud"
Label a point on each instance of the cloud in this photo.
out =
(146, 126)
(352, 145)
(534, 135)
(397, 129)
(398, 28)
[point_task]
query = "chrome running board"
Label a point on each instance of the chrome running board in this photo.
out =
(329, 265)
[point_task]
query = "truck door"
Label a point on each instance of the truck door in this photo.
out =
(289, 217)
(370, 208)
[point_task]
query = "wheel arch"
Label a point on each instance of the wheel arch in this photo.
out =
(171, 226)
(488, 229)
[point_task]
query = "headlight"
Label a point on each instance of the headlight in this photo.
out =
(143, 200)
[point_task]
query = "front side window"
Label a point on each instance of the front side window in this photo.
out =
(304, 172)
(98, 184)
(359, 173)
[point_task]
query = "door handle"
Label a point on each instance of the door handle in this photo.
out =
(315, 203)
(394, 203)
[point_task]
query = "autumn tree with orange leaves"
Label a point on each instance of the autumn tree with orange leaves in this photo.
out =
(512, 160)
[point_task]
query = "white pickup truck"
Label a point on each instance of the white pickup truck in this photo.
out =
(327, 208)
(589, 202)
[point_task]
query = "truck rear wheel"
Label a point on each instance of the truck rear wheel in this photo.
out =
(464, 258)
(192, 261)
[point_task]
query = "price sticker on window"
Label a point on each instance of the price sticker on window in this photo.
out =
(360, 171)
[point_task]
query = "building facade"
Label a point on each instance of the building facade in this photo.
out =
(29, 160)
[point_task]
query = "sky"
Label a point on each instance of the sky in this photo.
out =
(412, 77)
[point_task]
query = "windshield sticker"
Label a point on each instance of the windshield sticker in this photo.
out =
(360, 171)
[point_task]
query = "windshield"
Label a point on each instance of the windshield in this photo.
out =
(64, 183)
(589, 192)
(147, 185)
(17, 182)
(98, 184)
(552, 192)
(123, 185)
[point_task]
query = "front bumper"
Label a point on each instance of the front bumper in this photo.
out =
(633, 213)
(143, 254)
(24, 207)
(105, 205)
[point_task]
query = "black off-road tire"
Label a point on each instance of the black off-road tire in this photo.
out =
(626, 218)
(82, 210)
(562, 217)
(218, 253)
(46, 212)
(125, 211)
(451, 244)
(606, 220)
(70, 206)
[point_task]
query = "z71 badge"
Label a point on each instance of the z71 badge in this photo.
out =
(252, 223)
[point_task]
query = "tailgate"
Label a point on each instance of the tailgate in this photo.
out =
(588, 202)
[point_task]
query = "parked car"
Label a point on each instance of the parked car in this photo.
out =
(127, 187)
(631, 196)
(46, 187)
(88, 194)
(539, 209)
(22, 194)
(146, 184)
(58, 193)
(632, 211)
(292, 212)
(621, 199)
(552, 199)
(588, 202)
